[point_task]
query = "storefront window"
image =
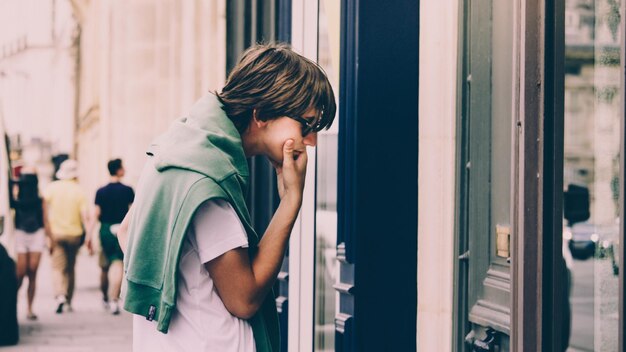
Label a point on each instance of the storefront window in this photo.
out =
(326, 268)
(591, 171)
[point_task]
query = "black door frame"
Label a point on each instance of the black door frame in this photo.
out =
(377, 176)
(555, 298)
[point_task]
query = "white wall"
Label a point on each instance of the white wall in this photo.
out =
(37, 68)
(37, 92)
(437, 108)
(144, 65)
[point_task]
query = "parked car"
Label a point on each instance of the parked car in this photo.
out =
(586, 240)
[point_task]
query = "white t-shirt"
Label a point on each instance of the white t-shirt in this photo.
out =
(200, 321)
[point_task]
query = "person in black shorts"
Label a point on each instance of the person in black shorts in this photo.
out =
(111, 205)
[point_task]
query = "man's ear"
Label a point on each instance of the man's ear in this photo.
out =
(255, 119)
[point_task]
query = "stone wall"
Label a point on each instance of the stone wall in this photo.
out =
(143, 64)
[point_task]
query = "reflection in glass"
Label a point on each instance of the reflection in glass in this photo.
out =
(591, 170)
(326, 268)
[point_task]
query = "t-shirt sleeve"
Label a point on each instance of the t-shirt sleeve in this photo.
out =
(98, 198)
(131, 195)
(217, 230)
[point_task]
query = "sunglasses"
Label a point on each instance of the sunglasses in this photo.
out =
(309, 126)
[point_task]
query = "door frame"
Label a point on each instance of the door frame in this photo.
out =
(483, 285)
(304, 40)
(377, 176)
(526, 248)
(538, 143)
(538, 248)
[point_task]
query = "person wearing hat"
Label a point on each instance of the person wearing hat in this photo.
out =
(64, 219)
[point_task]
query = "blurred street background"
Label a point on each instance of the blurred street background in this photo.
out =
(98, 80)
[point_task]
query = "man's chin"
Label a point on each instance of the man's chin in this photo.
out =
(275, 164)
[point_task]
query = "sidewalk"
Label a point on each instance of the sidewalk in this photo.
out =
(88, 328)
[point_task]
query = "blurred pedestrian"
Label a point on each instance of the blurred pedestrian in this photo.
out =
(30, 237)
(9, 329)
(65, 217)
(195, 268)
(111, 205)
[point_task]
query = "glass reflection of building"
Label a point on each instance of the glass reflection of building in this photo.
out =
(326, 268)
(591, 160)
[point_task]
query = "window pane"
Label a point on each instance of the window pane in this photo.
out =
(591, 171)
(326, 268)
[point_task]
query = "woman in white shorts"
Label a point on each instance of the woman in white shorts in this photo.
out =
(30, 238)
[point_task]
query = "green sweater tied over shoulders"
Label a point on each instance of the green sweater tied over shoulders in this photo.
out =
(199, 158)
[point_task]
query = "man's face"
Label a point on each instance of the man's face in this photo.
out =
(121, 172)
(279, 130)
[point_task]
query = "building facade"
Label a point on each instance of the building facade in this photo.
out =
(142, 64)
(349, 281)
(37, 90)
(469, 196)
(530, 116)
(37, 71)
(507, 233)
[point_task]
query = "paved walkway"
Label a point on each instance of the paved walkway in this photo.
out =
(88, 328)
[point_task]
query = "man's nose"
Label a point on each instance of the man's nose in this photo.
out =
(310, 139)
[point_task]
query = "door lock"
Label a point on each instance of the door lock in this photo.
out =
(503, 241)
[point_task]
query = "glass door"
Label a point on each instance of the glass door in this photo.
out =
(487, 165)
(592, 154)
(326, 265)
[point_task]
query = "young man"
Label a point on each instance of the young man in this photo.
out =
(198, 277)
(65, 217)
(111, 205)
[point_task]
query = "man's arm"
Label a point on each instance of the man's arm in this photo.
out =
(90, 226)
(243, 283)
(46, 225)
(85, 218)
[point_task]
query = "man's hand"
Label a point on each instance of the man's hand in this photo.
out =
(89, 244)
(46, 226)
(291, 175)
(51, 243)
(91, 222)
